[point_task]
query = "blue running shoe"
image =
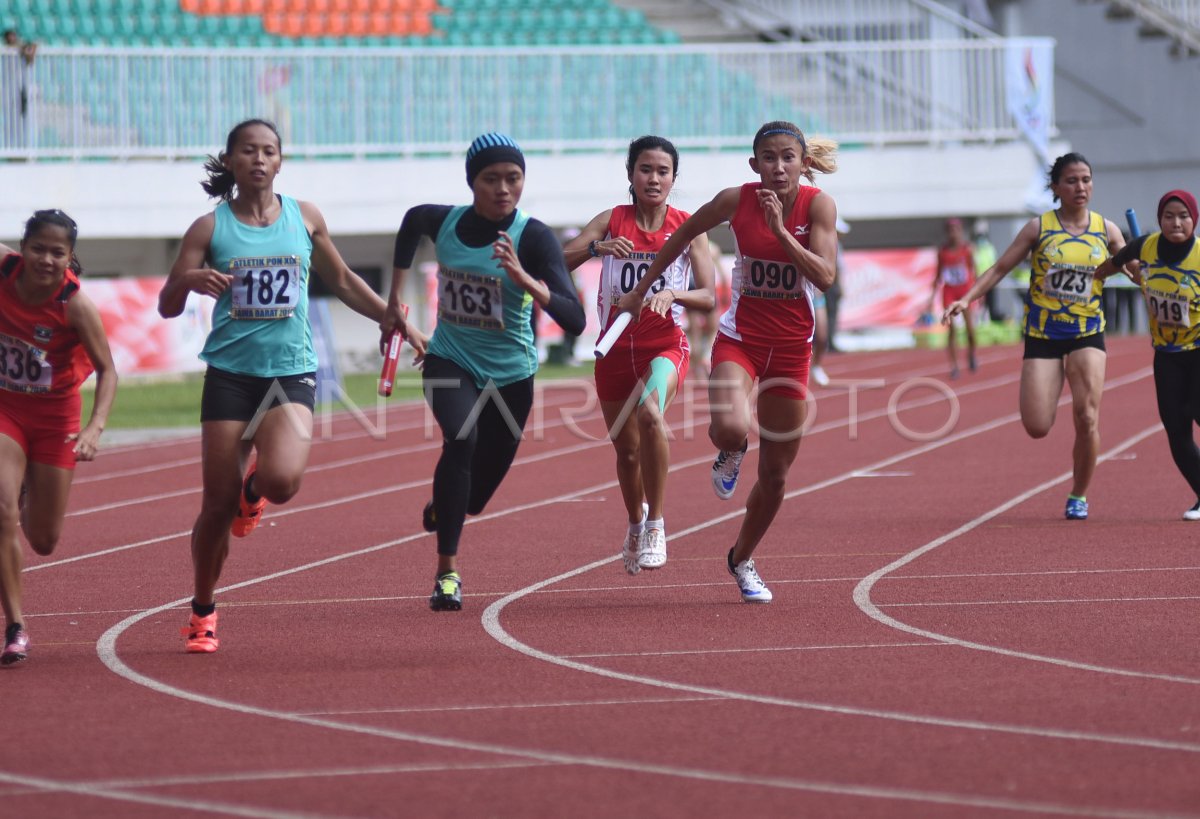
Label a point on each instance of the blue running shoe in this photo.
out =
(1077, 508)
(752, 587)
(725, 471)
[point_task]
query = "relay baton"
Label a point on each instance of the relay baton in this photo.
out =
(1131, 217)
(613, 333)
(387, 376)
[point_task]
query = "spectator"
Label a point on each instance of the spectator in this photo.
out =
(16, 62)
(985, 257)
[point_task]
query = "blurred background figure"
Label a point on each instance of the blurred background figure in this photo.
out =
(955, 275)
(16, 61)
(984, 254)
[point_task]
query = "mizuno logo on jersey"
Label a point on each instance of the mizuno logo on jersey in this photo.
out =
(801, 230)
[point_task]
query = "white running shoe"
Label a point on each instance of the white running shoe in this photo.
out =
(725, 471)
(753, 589)
(1193, 513)
(820, 376)
(652, 548)
(629, 549)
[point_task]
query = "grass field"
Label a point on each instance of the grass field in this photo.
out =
(176, 403)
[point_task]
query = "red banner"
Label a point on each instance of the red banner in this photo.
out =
(885, 288)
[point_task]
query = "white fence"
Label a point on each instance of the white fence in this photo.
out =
(101, 103)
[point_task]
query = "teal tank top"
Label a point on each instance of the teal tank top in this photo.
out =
(483, 316)
(260, 324)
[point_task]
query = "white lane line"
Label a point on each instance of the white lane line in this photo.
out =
(1049, 602)
(106, 649)
(312, 773)
(862, 592)
(491, 623)
(512, 706)
(766, 649)
(43, 785)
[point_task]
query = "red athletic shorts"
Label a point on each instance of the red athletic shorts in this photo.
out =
(627, 364)
(41, 424)
(780, 369)
(952, 294)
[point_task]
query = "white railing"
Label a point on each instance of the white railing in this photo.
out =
(126, 103)
(1177, 19)
(1186, 12)
(852, 20)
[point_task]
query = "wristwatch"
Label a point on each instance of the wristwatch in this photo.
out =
(592, 251)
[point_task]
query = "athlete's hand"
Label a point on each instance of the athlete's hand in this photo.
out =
(504, 253)
(661, 301)
(772, 209)
(955, 308)
(619, 247)
(420, 343)
(632, 303)
(87, 442)
(393, 319)
(1134, 271)
(207, 282)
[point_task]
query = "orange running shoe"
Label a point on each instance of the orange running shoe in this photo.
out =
(201, 634)
(248, 514)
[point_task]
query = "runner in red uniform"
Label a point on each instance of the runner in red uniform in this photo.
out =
(642, 372)
(785, 250)
(51, 339)
(955, 274)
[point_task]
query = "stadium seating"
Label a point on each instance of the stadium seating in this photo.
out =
(336, 23)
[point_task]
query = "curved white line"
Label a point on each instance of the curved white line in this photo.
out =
(862, 592)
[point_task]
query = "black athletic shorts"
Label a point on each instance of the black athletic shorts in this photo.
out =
(232, 397)
(1061, 347)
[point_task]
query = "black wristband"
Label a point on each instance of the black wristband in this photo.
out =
(592, 251)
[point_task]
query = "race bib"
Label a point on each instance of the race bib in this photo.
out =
(954, 275)
(1169, 309)
(771, 280)
(1069, 283)
(265, 287)
(470, 300)
(23, 368)
(629, 271)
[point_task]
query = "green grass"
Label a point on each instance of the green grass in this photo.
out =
(148, 404)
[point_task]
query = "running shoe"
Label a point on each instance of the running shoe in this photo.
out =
(1193, 513)
(725, 471)
(429, 518)
(652, 548)
(200, 634)
(972, 364)
(248, 514)
(1077, 509)
(447, 593)
(753, 589)
(16, 644)
(820, 376)
(629, 549)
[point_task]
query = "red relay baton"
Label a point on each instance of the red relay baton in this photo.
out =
(387, 375)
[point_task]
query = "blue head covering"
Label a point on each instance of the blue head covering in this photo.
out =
(489, 149)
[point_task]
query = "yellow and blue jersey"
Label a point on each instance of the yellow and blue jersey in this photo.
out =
(1063, 301)
(1172, 297)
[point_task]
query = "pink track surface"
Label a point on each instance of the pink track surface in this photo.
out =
(942, 642)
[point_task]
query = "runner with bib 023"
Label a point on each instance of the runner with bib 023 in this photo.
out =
(1064, 321)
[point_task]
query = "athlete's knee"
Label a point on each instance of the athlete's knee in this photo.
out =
(650, 421)
(772, 482)
(277, 488)
(1087, 419)
(727, 435)
(44, 543)
(1037, 427)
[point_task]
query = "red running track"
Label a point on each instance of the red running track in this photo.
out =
(942, 643)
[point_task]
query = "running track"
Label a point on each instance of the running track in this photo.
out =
(942, 643)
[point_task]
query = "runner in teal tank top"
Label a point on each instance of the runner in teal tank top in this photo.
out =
(494, 262)
(253, 255)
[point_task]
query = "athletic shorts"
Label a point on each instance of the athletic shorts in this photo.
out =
(780, 370)
(40, 425)
(627, 365)
(1060, 347)
(953, 293)
(232, 397)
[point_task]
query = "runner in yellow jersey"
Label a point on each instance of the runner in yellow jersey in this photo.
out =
(1064, 322)
(1170, 262)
